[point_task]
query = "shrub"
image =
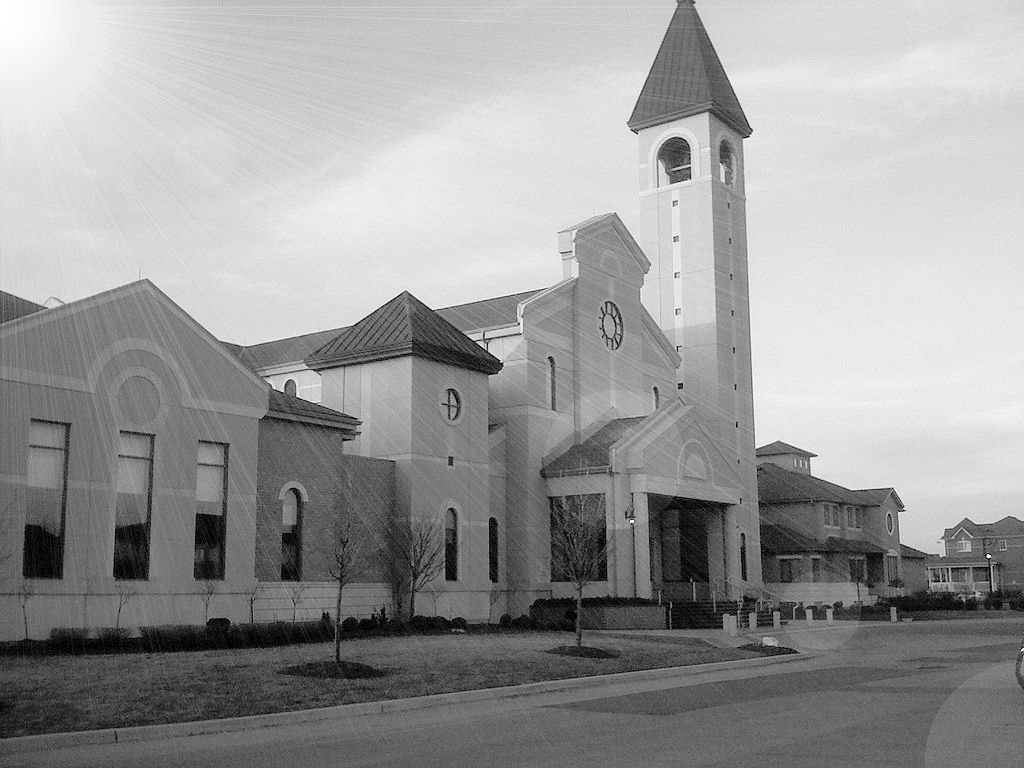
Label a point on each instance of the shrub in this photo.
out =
(113, 637)
(440, 624)
(420, 623)
(368, 624)
(505, 621)
(171, 637)
(350, 624)
(397, 626)
(460, 623)
(69, 638)
(523, 622)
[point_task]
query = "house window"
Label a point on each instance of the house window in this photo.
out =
(890, 523)
(133, 506)
(786, 571)
(492, 549)
(551, 384)
(1002, 545)
(726, 164)
(831, 515)
(858, 569)
(290, 388)
(451, 406)
(579, 539)
(46, 500)
(674, 162)
(291, 536)
(963, 545)
(743, 556)
(853, 517)
(451, 545)
(211, 510)
(815, 569)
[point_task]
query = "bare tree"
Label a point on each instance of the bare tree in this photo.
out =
(418, 554)
(124, 596)
(295, 595)
(579, 545)
(253, 593)
(25, 593)
(206, 591)
(342, 554)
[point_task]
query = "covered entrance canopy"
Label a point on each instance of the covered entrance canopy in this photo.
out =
(677, 519)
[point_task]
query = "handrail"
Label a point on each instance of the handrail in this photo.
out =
(764, 595)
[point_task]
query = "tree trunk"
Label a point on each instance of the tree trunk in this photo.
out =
(579, 617)
(337, 625)
(412, 602)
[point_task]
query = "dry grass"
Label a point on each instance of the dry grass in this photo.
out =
(72, 693)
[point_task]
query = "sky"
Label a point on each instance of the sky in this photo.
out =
(281, 168)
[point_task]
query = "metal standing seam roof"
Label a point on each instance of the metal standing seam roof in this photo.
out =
(592, 453)
(13, 307)
(291, 408)
(404, 326)
(687, 78)
(473, 316)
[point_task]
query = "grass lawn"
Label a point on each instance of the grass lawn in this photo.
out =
(48, 694)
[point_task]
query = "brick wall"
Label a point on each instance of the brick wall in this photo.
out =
(311, 460)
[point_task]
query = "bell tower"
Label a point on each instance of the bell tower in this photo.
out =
(690, 129)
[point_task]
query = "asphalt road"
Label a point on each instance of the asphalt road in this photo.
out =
(935, 695)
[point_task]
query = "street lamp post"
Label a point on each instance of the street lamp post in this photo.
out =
(631, 519)
(988, 556)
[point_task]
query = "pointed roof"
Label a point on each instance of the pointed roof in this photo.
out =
(404, 326)
(593, 454)
(776, 485)
(287, 407)
(13, 307)
(687, 78)
(779, 448)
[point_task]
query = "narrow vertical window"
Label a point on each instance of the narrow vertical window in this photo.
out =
(211, 509)
(451, 545)
(291, 536)
(133, 506)
(655, 397)
(290, 388)
(46, 499)
(492, 549)
(726, 164)
(674, 162)
(552, 400)
(743, 556)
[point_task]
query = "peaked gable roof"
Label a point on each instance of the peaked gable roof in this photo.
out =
(776, 485)
(687, 78)
(12, 307)
(404, 326)
(779, 448)
(570, 236)
(1007, 526)
(594, 452)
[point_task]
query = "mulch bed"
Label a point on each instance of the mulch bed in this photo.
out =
(766, 650)
(345, 670)
(584, 651)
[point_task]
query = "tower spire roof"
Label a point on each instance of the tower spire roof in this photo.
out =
(687, 78)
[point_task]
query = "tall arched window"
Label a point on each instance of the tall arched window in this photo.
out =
(743, 556)
(674, 163)
(451, 545)
(290, 387)
(655, 397)
(726, 164)
(291, 536)
(552, 399)
(492, 549)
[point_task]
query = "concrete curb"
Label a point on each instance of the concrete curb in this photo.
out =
(51, 741)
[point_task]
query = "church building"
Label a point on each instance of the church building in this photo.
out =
(143, 460)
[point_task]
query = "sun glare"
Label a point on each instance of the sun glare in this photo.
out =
(41, 43)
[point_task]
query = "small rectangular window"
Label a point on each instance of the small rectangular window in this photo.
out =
(133, 506)
(1002, 545)
(675, 238)
(963, 545)
(45, 500)
(679, 311)
(815, 569)
(786, 571)
(211, 510)
(677, 275)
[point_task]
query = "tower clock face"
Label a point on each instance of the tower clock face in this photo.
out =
(610, 319)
